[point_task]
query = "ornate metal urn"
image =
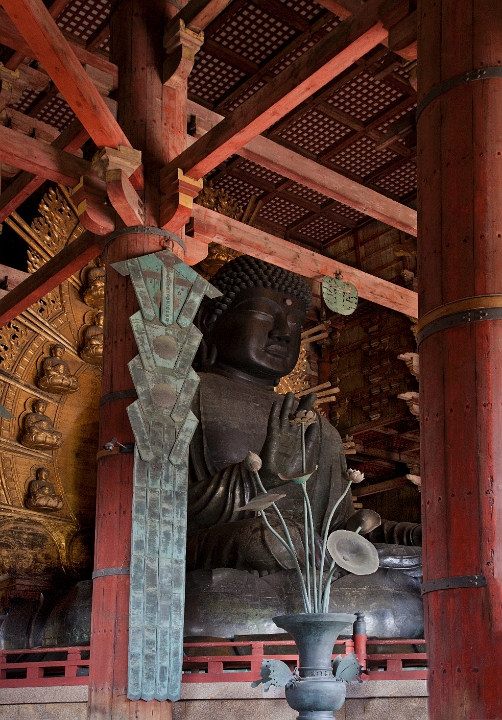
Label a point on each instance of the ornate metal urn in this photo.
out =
(315, 692)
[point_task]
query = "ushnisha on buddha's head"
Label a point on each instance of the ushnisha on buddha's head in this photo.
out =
(254, 329)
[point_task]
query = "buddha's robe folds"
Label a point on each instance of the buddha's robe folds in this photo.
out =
(233, 418)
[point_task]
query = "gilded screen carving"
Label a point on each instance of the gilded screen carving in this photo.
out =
(48, 448)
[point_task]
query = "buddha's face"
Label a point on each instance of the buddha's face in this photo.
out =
(39, 407)
(57, 351)
(260, 333)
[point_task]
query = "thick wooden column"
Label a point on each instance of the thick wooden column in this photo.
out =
(136, 40)
(460, 256)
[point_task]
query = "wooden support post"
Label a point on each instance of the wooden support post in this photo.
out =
(459, 183)
(136, 40)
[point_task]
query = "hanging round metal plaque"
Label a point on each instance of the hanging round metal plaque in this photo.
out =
(339, 296)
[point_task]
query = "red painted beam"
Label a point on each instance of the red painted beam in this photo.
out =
(302, 170)
(53, 51)
(68, 261)
(38, 158)
(198, 14)
(346, 44)
(10, 37)
(213, 227)
(26, 183)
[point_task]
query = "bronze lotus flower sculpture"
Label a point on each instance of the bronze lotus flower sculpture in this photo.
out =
(315, 588)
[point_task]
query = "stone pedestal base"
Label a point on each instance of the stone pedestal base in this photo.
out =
(378, 699)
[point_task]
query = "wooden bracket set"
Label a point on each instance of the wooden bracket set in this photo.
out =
(181, 45)
(180, 191)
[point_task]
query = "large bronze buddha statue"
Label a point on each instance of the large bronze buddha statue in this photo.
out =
(251, 338)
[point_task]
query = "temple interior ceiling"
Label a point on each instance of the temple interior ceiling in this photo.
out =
(360, 125)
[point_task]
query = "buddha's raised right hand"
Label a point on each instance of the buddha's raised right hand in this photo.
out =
(281, 452)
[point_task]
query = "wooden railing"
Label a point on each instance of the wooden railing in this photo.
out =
(209, 662)
(44, 667)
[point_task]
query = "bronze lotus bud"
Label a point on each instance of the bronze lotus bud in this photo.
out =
(252, 462)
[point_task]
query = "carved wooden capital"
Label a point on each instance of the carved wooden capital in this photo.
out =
(90, 197)
(123, 158)
(180, 191)
(181, 45)
(115, 167)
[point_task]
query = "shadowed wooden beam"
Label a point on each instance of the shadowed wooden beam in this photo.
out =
(68, 261)
(198, 14)
(70, 140)
(10, 37)
(337, 51)
(53, 51)
(294, 166)
(213, 227)
(41, 159)
(380, 487)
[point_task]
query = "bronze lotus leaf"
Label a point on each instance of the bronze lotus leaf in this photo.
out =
(300, 479)
(366, 519)
(353, 552)
(262, 501)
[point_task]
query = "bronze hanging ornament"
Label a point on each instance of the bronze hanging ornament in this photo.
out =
(339, 296)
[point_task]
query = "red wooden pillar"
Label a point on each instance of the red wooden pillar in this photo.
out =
(136, 41)
(460, 257)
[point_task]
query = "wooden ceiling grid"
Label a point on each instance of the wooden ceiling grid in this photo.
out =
(246, 45)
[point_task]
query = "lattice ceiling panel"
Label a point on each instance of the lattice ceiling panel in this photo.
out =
(314, 132)
(348, 212)
(292, 56)
(401, 181)
(308, 194)
(245, 95)
(385, 125)
(82, 17)
(26, 101)
(212, 78)
(238, 189)
(361, 158)
(321, 229)
(282, 212)
(58, 114)
(261, 172)
(309, 10)
(254, 33)
(363, 97)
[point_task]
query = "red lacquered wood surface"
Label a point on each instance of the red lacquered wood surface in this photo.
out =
(460, 255)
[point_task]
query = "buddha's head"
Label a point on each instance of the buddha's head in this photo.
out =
(40, 406)
(100, 319)
(57, 351)
(254, 328)
(43, 474)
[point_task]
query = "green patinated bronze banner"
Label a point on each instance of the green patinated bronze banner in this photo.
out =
(169, 293)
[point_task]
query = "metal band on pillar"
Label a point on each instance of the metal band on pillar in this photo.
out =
(460, 312)
(145, 230)
(105, 572)
(486, 73)
(452, 583)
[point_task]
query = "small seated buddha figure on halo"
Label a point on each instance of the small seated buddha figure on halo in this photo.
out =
(94, 295)
(56, 376)
(41, 494)
(92, 352)
(39, 432)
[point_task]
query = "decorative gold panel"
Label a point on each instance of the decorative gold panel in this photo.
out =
(38, 541)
